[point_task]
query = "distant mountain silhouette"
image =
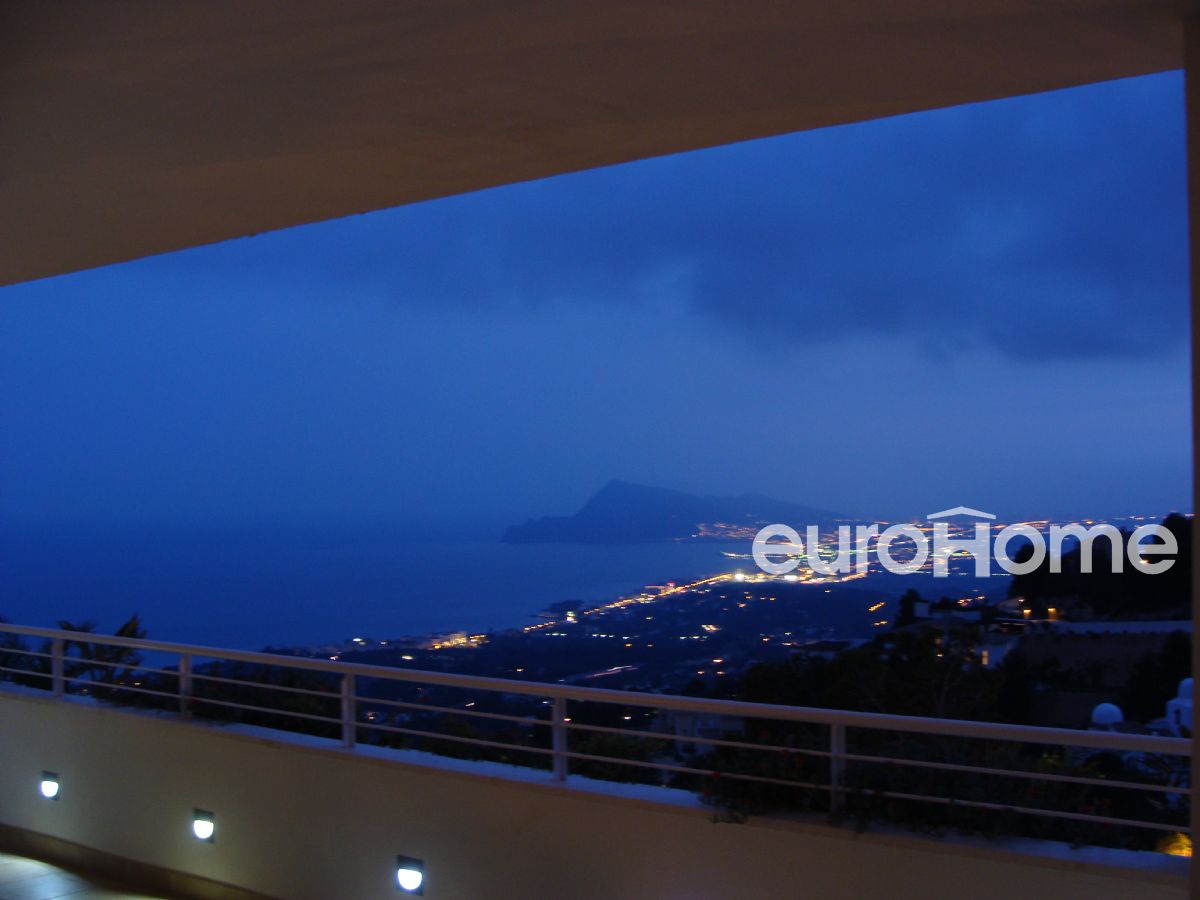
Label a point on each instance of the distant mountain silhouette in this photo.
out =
(624, 513)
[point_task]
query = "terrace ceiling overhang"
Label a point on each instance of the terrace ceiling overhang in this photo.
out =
(135, 127)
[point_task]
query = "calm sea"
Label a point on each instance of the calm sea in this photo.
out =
(251, 588)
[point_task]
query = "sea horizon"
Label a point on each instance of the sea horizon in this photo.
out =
(251, 587)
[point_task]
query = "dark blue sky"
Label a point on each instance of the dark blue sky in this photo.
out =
(984, 305)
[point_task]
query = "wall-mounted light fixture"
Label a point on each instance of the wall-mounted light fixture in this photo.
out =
(410, 875)
(204, 825)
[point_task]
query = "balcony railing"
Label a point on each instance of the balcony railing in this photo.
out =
(836, 759)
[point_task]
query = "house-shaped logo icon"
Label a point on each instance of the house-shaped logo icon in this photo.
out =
(960, 511)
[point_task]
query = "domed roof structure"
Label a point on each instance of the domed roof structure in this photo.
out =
(1105, 715)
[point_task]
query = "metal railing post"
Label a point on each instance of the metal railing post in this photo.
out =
(837, 769)
(185, 685)
(349, 726)
(58, 683)
(558, 738)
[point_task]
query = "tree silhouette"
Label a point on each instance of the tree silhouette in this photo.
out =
(97, 662)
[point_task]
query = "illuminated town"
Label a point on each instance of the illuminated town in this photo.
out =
(668, 636)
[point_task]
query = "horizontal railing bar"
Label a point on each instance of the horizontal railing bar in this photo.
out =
(1034, 811)
(858, 757)
(689, 770)
(453, 710)
(32, 672)
(71, 660)
(83, 663)
(328, 695)
(878, 721)
(20, 652)
(368, 726)
(263, 709)
(96, 687)
(685, 739)
(140, 670)
(1017, 773)
(436, 735)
